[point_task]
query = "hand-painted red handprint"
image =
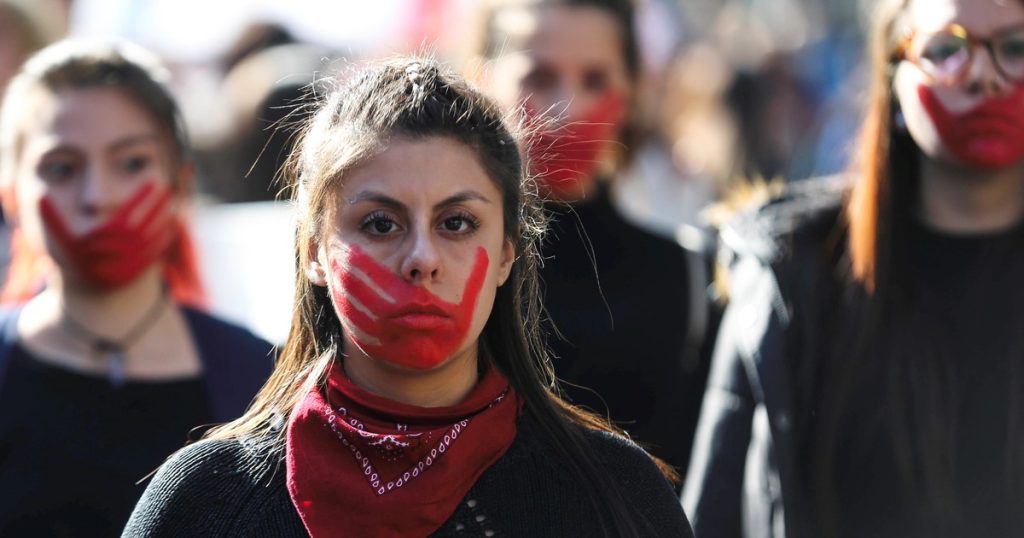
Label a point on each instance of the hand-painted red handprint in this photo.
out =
(398, 321)
(119, 250)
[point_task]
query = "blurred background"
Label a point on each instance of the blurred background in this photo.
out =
(734, 91)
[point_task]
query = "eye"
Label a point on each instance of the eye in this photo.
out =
(541, 77)
(1011, 46)
(595, 80)
(135, 163)
(460, 223)
(57, 170)
(942, 48)
(379, 223)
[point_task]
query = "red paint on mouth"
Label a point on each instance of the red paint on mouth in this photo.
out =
(119, 250)
(990, 135)
(565, 158)
(412, 326)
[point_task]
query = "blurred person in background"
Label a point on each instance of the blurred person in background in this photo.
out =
(867, 378)
(628, 309)
(106, 364)
(414, 395)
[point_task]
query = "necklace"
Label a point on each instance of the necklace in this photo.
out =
(115, 349)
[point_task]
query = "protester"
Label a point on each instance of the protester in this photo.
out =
(867, 380)
(105, 363)
(628, 309)
(413, 395)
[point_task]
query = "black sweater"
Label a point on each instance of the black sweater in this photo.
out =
(230, 488)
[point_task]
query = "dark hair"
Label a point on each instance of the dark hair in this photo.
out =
(495, 40)
(622, 12)
(80, 65)
(878, 335)
(416, 98)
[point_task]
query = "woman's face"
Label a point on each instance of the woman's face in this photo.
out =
(93, 185)
(974, 119)
(413, 253)
(567, 64)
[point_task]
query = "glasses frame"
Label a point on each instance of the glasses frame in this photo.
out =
(904, 51)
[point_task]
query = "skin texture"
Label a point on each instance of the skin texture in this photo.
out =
(92, 151)
(88, 153)
(957, 194)
(565, 62)
(422, 210)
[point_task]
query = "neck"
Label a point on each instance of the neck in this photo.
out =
(443, 386)
(104, 312)
(961, 200)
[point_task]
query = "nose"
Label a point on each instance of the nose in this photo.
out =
(422, 263)
(98, 196)
(983, 77)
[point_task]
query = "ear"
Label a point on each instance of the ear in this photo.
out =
(508, 257)
(184, 178)
(316, 265)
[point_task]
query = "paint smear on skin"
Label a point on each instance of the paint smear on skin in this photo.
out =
(397, 321)
(990, 135)
(118, 251)
(566, 158)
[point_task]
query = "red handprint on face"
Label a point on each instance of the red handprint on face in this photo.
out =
(119, 250)
(566, 156)
(989, 135)
(393, 320)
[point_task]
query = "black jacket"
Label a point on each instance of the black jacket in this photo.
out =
(230, 488)
(742, 478)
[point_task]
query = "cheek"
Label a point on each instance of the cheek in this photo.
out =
(919, 122)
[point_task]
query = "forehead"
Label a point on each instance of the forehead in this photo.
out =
(86, 118)
(420, 172)
(977, 16)
(571, 35)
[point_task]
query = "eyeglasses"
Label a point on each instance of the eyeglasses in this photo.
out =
(945, 56)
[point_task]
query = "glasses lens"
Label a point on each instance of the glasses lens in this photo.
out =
(944, 55)
(1010, 53)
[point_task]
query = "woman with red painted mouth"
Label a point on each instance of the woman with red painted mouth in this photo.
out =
(871, 362)
(414, 396)
(628, 309)
(106, 362)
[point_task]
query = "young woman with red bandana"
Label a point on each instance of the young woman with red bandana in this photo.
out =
(414, 396)
(105, 363)
(867, 379)
(627, 321)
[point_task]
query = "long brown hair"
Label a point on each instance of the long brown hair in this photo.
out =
(416, 98)
(78, 65)
(877, 337)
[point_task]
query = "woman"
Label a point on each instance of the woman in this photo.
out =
(628, 309)
(413, 396)
(101, 347)
(867, 377)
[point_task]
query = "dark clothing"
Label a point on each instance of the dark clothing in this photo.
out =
(73, 446)
(230, 488)
(790, 298)
(621, 298)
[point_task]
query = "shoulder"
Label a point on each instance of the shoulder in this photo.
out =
(201, 484)
(214, 330)
(804, 212)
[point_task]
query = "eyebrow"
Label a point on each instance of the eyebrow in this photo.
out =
(383, 199)
(134, 140)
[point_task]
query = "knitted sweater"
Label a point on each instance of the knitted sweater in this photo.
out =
(230, 488)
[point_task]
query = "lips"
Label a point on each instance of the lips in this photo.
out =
(420, 317)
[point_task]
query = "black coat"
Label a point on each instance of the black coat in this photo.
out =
(742, 478)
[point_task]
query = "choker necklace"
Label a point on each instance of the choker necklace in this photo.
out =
(115, 351)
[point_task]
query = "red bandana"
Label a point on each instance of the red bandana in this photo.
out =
(362, 465)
